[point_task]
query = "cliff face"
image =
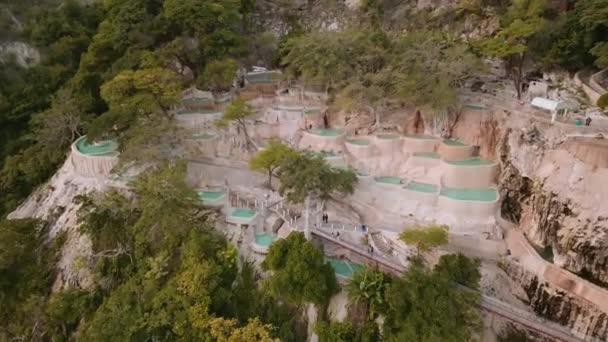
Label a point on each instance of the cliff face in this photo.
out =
(580, 316)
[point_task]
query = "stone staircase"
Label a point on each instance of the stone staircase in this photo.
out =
(381, 244)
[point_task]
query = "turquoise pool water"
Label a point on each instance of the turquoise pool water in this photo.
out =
(263, 239)
(432, 155)
(196, 111)
(453, 142)
(210, 195)
(343, 267)
(263, 77)
(103, 148)
(388, 136)
(464, 194)
(360, 142)
(202, 135)
(388, 180)
(470, 162)
(327, 132)
(243, 212)
(420, 136)
(422, 187)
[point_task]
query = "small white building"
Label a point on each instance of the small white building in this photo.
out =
(551, 106)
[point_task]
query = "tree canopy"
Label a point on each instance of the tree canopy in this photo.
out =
(299, 273)
(270, 158)
(425, 238)
(306, 174)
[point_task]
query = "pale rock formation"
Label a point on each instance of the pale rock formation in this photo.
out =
(25, 55)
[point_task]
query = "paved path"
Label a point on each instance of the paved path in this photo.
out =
(554, 275)
(487, 303)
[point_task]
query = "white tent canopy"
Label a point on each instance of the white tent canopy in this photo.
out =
(546, 104)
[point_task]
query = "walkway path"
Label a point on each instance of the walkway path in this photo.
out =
(487, 303)
(554, 275)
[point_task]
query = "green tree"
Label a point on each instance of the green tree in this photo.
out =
(367, 287)
(425, 306)
(460, 269)
(602, 102)
(305, 174)
(219, 75)
(425, 238)
(335, 331)
(238, 111)
(270, 158)
(523, 20)
(299, 273)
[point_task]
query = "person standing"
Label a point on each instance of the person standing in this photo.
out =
(588, 121)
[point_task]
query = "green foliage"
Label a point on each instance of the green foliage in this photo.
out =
(27, 264)
(335, 331)
(367, 287)
(425, 306)
(460, 269)
(299, 273)
(306, 174)
(237, 111)
(270, 158)
(218, 75)
(602, 102)
(425, 238)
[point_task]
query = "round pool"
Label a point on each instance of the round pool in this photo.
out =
(388, 180)
(210, 195)
(432, 155)
(469, 194)
(102, 148)
(243, 212)
(422, 187)
(202, 136)
(420, 136)
(358, 141)
(470, 162)
(343, 268)
(327, 132)
(263, 239)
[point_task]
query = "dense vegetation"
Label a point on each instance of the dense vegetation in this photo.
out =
(159, 270)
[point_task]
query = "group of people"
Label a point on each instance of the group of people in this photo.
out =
(325, 218)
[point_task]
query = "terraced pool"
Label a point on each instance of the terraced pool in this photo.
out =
(327, 132)
(242, 213)
(210, 195)
(388, 136)
(102, 148)
(202, 136)
(432, 155)
(343, 267)
(388, 179)
(263, 239)
(358, 141)
(453, 142)
(470, 162)
(467, 194)
(422, 187)
(420, 136)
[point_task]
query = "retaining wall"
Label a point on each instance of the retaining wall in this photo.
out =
(411, 145)
(424, 162)
(454, 152)
(468, 176)
(197, 120)
(92, 166)
(388, 147)
(360, 151)
(471, 211)
(317, 142)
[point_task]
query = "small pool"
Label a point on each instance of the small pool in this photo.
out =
(361, 173)
(360, 142)
(203, 135)
(197, 111)
(263, 239)
(243, 212)
(467, 194)
(326, 132)
(102, 148)
(210, 195)
(388, 136)
(343, 267)
(470, 162)
(420, 136)
(312, 111)
(453, 142)
(388, 180)
(422, 187)
(431, 155)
